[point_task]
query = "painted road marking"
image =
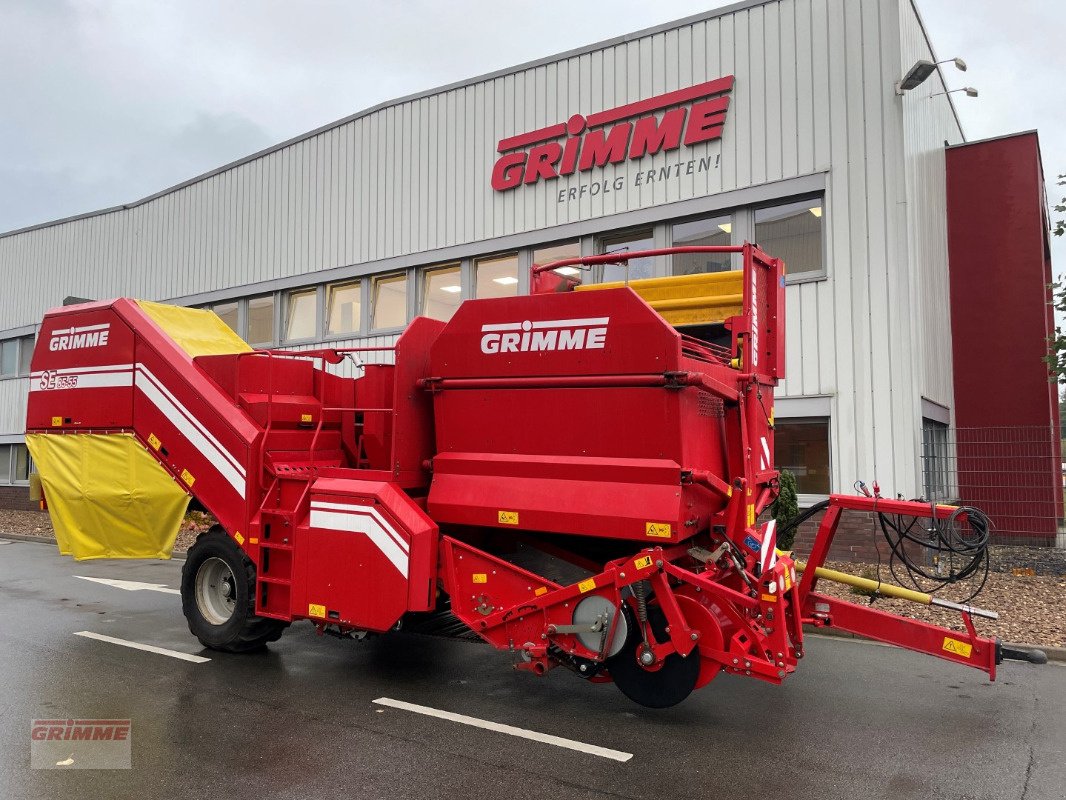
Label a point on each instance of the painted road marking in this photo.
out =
(131, 586)
(522, 733)
(151, 648)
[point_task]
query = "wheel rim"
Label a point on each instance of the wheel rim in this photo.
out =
(215, 591)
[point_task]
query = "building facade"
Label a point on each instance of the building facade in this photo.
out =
(776, 122)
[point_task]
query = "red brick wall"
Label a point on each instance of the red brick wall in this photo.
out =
(16, 498)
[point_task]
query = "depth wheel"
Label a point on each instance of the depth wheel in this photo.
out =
(666, 684)
(218, 597)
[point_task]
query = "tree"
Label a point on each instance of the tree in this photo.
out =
(785, 508)
(1056, 357)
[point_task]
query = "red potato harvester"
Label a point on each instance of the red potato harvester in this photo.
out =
(566, 475)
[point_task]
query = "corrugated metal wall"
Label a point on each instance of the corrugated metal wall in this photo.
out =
(813, 93)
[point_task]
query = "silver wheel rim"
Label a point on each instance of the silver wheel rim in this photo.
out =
(215, 591)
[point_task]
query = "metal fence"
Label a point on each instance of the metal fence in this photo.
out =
(1014, 474)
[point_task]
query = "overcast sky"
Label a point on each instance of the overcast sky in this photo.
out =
(106, 101)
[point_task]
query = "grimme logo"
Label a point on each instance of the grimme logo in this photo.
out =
(589, 143)
(556, 334)
(77, 338)
(80, 744)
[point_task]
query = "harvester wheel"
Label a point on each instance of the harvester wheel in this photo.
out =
(661, 686)
(218, 596)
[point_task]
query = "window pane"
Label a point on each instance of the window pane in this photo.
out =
(9, 357)
(22, 463)
(344, 304)
(441, 292)
(390, 302)
(261, 320)
(557, 252)
(936, 467)
(5, 463)
(26, 355)
(638, 267)
(301, 316)
(707, 232)
(792, 232)
(801, 446)
(227, 312)
(497, 277)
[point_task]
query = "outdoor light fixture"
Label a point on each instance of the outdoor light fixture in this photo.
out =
(453, 289)
(921, 70)
(506, 280)
(970, 91)
(568, 270)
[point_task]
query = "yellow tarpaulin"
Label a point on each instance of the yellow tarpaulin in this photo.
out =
(198, 332)
(107, 496)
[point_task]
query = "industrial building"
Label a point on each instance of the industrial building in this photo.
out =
(781, 122)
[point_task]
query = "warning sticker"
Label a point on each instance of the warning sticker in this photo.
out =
(153, 440)
(508, 517)
(480, 577)
(958, 648)
(540, 590)
(587, 586)
(57, 422)
(238, 537)
(187, 477)
(642, 563)
(305, 418)
(660, 530)
(315, 610)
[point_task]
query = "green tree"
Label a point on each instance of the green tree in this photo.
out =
(785, 509)
(1056, 357)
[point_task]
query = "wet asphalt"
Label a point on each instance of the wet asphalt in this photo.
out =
(856, 721)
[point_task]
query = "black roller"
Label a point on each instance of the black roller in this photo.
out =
(666, 686)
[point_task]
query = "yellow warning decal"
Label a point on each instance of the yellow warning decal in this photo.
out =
(540, 590)
(787, 575)
(315, 610)
(306, 418)
(480, 577)
(769, 598)
(57, 422)
(660, 530)
(751, 515)
(958, 648)
(587, 586)
(508, 517)
(642, 563)
(238, 537)
(154, 442)
(187, 477)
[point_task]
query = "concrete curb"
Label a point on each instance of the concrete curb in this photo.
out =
(1053, 653)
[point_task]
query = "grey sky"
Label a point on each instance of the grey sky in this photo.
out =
(106, 101)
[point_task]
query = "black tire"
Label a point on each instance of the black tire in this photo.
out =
(224, 618)
(667, 686)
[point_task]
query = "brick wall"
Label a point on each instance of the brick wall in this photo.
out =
(16, 498)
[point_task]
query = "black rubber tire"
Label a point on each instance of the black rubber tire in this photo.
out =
(243, 631)
(665, 687)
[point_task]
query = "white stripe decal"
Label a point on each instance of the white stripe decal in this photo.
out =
(212, 452)
(366, 525)
(401, 542)
(81, 370)
(84, 329)
(92, 380)
(502, 326)
(767, 537)
(189, 416)
(510, 730)
(765, 452)
(571, 323)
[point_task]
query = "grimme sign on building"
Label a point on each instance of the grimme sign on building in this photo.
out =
(690, 116)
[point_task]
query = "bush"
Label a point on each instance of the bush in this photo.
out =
(785, 509)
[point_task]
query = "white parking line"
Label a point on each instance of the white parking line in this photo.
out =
(522, 733)
(151, 648)
(130, 586)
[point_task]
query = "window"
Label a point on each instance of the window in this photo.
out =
(441, 292)
(5, 463)
(936, 466)
(261, 320)
(497, 277)
(793, 233)
(707, 232)
(557, 252)
(301, 315)
(638, 267)
(344, 305)
(390, 302)
(9, 357)
(801, 445)
(227, 312)
(21, 470)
